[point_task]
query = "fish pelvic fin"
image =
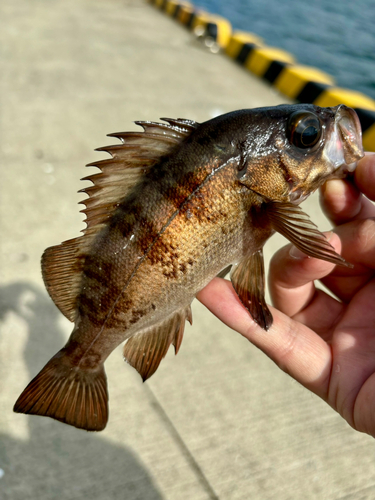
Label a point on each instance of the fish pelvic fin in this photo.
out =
(146, 349)
(224, 272)
(290, 221)
(249, 283)
(73, 396)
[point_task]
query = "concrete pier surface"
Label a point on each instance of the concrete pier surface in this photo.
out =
(220, 420)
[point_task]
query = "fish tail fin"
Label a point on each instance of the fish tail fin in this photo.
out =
(66, 393)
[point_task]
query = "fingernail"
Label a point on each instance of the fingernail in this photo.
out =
(297, 254)
(328, 235)
(334, 187)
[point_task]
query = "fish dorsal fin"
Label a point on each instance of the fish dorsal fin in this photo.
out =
(130, 161)
(248, 281)
(62, 265)
(290, 221)
(145, 350)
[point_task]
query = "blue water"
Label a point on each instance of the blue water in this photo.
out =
(337, 36)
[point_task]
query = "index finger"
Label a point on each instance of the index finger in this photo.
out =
(364, 176)
(294, 347)
(343, 200)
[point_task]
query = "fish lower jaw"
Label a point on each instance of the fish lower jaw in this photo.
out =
(343, 170)
(298, 196)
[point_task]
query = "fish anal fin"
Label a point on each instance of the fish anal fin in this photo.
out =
(145, 350)
(290, 221)
(249, 283)
(73, 396)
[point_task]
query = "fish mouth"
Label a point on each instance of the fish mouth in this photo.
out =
(344, 147)
(299, 195)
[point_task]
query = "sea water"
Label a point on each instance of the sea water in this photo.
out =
(336, 36)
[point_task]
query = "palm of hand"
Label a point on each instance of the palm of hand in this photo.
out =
(347, 329)
(351, 383)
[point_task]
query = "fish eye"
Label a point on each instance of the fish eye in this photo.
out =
(303, 129)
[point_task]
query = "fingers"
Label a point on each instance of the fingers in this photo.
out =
(352, 381)
(358, 247)
(342, 200)
(292, 346)
(291, 284)
(291, 279)
(365, 176)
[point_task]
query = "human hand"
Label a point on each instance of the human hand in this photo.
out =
(326, 344)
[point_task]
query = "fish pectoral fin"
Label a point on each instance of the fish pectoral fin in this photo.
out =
(249, 283)
(290, 221)
(146, 349)
(62, 391)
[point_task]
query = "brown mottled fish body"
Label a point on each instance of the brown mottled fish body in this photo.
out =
(175, 206)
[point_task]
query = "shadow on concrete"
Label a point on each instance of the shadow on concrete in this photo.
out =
(58, 461)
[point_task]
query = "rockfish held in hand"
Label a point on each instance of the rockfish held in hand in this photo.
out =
(176, 205)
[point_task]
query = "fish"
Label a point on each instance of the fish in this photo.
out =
(174, 206)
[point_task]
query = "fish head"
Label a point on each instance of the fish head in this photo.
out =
(298, 148)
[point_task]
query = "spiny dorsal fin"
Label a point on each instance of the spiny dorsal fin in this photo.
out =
(130, 160)
(145, 350)
(62, 265)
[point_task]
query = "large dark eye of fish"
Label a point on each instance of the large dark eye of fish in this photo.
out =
(304, 129)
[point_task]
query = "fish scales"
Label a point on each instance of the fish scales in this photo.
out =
(169, 252)
(175, 206)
